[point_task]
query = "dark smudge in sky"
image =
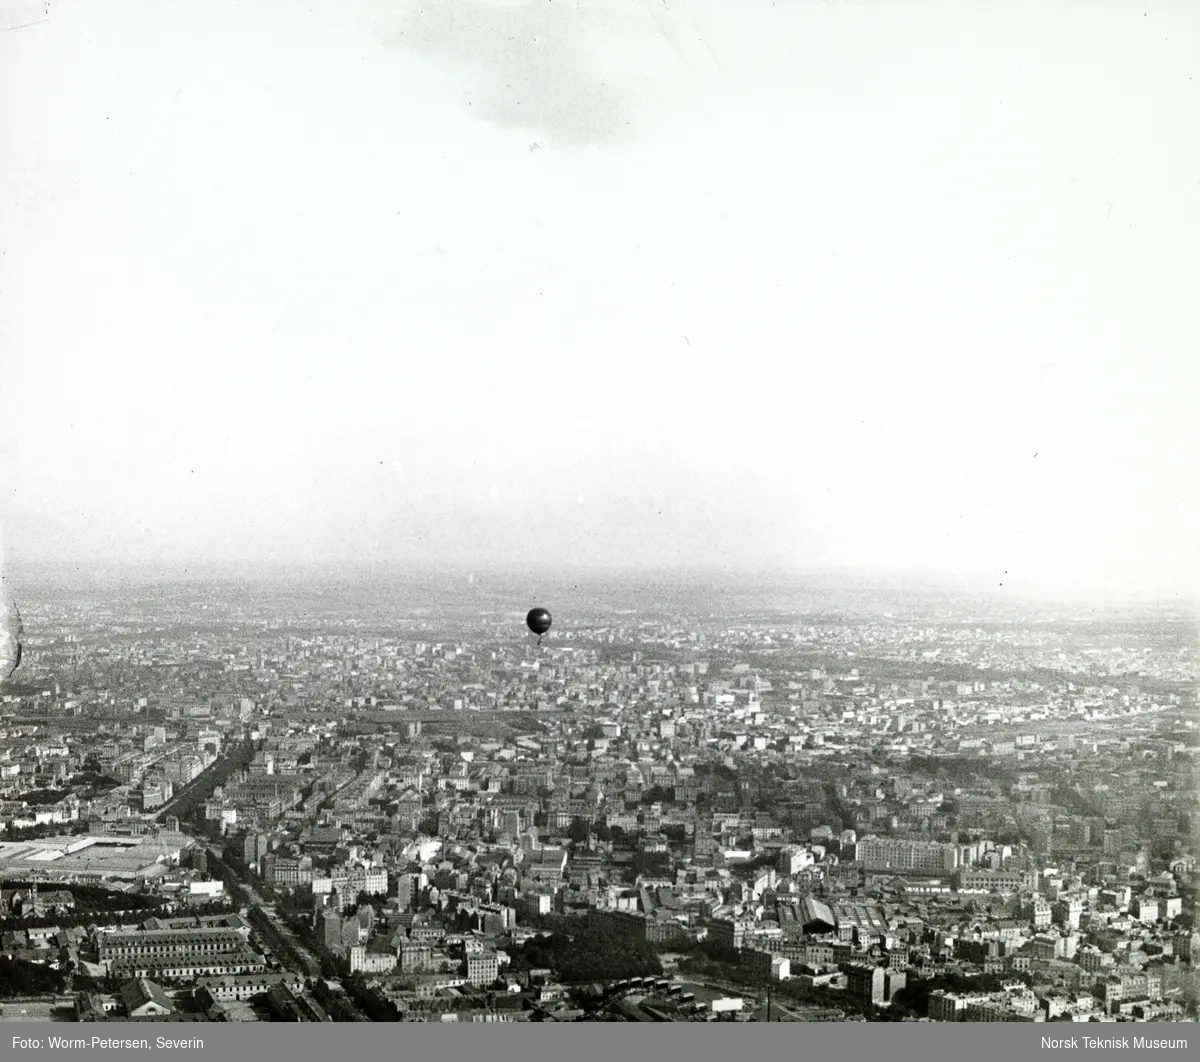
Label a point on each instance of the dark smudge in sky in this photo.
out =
(529, 68)
(10, 635)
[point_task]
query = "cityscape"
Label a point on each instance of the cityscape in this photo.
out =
(623, 511)
(373, 796)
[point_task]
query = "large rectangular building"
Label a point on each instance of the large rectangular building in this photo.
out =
(350, 881)
(184, 967)
(900, 854)
(93, 857)
(1000, 881)
(123, 944)
(482, 968)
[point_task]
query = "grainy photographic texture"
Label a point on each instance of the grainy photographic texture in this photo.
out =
(10, 637)
(826, 369)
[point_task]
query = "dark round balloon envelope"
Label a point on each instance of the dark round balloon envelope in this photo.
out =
(538, 621)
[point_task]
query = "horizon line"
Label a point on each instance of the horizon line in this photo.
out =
(849, 576)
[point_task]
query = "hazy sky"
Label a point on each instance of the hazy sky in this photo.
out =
(804, 283)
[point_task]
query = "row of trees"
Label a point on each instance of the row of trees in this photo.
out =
(192, 798)
(36, 798)
(281, 945)
(913, 999)
(13, 832)
(89, 898)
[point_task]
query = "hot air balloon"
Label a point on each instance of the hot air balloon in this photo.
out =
(538, 621)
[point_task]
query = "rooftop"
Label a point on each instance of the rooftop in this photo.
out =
(91, 855)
